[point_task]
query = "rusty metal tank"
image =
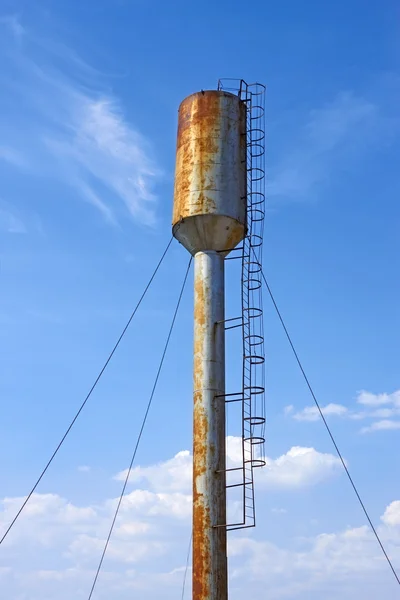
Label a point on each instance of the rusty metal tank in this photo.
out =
(210, 178)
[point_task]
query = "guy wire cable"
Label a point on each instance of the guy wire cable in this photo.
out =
(353, 485)
(186, 567)
(88, 395)
(141, 430)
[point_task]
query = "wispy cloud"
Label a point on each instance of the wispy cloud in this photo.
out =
(68, 126)
(9, 223)
(84, 469)
(13, 23)
(382, 409)
(10, 155)
(347, 125)
(279, 511)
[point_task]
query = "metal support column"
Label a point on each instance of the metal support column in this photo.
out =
(209, 479)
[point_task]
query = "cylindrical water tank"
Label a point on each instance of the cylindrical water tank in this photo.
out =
(210, 177)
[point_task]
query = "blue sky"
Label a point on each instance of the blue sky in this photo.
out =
(88, 114)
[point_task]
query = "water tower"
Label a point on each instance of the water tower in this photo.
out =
(213, 213)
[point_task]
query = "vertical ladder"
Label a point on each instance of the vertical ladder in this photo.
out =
(252, 394)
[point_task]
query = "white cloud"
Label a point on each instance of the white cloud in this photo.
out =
(299, 467)
(311, 413)
(330, 565)
(85, 547)
(84, 469)
(113, 584)
(172, 475)
(369, 399)
(384, 413)
(384, 425)
(234, 450)
(46, 520)
(151, 504)
(51, 521)
(61, 542)
(391, 515)
(380, 408)
(75, 131)
(147, 513)
(50, 506)
(132, 528)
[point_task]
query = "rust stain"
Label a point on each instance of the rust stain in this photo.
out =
(202, 526)
(201, 554)
(203, 532)
(200, 435)
(201, 291)
(210, 175)
(201, 127)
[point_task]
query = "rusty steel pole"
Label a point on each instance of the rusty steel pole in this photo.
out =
(209, 488)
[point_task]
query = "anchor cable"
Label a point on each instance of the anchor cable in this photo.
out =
(353, 485)
(87, 397)
(186, 567)
(140, 431)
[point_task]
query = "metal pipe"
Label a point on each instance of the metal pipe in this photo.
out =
(209, 477)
